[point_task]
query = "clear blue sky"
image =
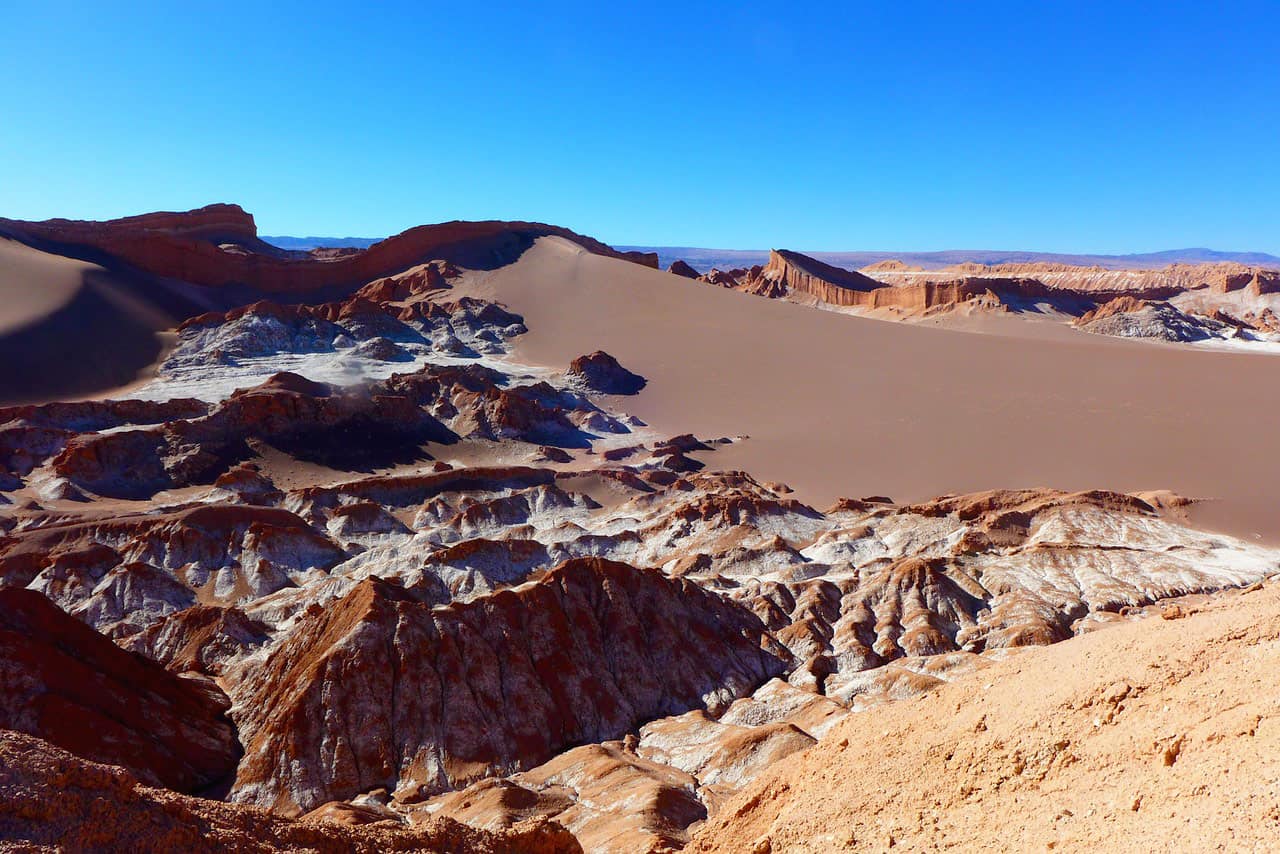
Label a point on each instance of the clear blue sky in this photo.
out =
(1063, 126)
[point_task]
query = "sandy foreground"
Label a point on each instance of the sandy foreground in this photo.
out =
(1156, 735)
(844, 406)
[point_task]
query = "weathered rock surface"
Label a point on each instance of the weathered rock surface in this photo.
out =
(222, 552)
(610, 799)
(52, 800)
(1127, 317)
(1124, 303)
(601, 373)
(378, 690)
(200, 639)
(63, 682)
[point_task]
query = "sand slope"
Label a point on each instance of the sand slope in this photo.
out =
(71, 327)
(838, 405)
(1157, 735)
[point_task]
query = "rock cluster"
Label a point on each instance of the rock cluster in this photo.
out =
(52, 799)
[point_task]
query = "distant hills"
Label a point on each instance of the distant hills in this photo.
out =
(305, 243)
(704, 259)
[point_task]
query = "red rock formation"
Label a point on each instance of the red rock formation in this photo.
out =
(607, 796)
(62, 681)
(997, 506)
(190, 247)
(406, 490)
(378, 690)
(914, 291)
(1119, 305)
(86, 415)
(809, 275)
(52, 800)
(415, 281)
(292, 413)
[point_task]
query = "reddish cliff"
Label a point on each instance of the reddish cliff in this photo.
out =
(218, 246)
(793, 272)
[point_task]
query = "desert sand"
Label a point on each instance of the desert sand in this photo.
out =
(844, 406)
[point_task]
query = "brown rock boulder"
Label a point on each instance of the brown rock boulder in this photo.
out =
(601, 373)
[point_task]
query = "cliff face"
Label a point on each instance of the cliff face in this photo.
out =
(218, 246)
(809, 275)
(916, 291)
(1097, 282)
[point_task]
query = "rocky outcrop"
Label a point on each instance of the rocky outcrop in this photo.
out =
(64, 682)
(287, 411)
(680, 268)
(200, 639)
(226, 552)
(611, 799)
(217, 246)
(378, 690)
(92, 415)
(896, 286)
(415, 281)
(1129, 317)
(52, 800)
(811, 276)
(600, 372)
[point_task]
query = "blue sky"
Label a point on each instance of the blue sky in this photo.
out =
(1061, 127)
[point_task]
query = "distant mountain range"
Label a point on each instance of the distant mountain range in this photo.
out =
(305, 243)
(704, 259)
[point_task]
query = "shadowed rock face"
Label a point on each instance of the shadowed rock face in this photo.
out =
(680, 268)
(380, 690)
(62, 681)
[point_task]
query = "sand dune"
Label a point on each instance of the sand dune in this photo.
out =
(71, 327)
(59, 279)
(838, 405)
